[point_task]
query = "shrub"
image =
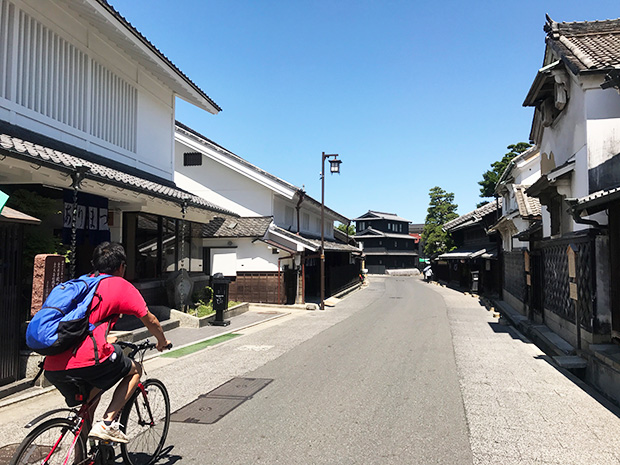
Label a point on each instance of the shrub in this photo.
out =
(202, 296)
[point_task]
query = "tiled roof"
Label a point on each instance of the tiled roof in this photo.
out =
(528, 206)
(586, 45)
(473, 216)
(596, 201)
(230, 226)
(369, 233)
(380, 216)
(56, 159)
(315, 244)
(334, 246)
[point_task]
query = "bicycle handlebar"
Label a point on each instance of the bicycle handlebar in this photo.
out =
(140, 347)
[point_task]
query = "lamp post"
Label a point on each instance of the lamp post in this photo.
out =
(334, 167)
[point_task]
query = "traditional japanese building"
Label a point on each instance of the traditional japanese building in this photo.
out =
(386, 242)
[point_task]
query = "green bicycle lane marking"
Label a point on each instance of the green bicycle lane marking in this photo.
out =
(176, 353)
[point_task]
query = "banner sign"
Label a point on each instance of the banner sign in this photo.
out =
(91, 218)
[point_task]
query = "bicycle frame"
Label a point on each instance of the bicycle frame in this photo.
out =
(75, 440)
(80, 420)
(151, 421)
(81, 417)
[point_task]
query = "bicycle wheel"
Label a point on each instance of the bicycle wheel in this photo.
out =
(52, 442)
(145, 420)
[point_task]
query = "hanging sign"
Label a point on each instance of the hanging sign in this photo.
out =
(91, 218)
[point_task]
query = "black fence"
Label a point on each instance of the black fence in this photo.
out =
(342, 277)
(514, 274)
(556, 280)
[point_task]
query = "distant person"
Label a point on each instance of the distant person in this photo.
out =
(428, 273)
(96, 362)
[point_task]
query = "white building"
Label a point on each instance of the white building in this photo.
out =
(577, 129)
(276, 240)
(87, 106)
(519, 223)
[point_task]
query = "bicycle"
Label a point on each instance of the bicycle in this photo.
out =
(145, 419)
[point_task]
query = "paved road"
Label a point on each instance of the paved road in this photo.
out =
(401, 372)
(378, 387)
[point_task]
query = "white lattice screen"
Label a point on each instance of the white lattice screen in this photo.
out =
(58, 80)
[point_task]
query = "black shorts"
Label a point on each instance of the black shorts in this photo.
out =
(75, 384)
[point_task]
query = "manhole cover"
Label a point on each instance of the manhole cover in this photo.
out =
(6, 453)
(213, 406)
(206, 410)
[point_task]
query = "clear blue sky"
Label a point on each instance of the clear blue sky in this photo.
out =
(410, 94)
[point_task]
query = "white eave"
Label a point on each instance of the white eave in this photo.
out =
(566, 168)
(300, 244)
(103, 17)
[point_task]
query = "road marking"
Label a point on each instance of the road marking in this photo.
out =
(254, 348)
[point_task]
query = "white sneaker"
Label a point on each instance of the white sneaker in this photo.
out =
(108, 433)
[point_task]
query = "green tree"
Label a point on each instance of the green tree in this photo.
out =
(350, 230)
(441, 209)
(490, 177)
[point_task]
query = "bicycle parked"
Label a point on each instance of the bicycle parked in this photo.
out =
(145, 419)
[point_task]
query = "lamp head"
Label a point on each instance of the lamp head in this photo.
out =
(334, 166)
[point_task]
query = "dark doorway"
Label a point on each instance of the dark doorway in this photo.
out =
(10, 305)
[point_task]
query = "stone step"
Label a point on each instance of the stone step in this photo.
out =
(570, 362)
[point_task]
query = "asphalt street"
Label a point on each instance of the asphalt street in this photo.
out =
(400, 372)
(378, 387)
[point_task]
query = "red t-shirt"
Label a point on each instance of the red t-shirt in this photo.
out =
(118, 297)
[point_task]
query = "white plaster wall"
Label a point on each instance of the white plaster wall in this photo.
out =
(280, 218)
(603, 113)
(251, 256)
(224, 186)
(567, 135)
(546, 221)
(527, 171)
(256, 257)
(155, 120)
(521, 225)
(155, 137)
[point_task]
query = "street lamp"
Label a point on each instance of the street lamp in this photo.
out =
(334, 167)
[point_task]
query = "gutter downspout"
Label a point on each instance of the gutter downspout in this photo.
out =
(578, 219)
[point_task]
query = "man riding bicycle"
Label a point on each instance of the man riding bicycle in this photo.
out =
(96, 364)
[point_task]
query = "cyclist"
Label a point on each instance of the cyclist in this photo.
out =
(97, 364)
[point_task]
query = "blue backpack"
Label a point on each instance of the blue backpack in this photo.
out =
(62, 322)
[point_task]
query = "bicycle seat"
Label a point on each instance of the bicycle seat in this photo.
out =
(81, 391)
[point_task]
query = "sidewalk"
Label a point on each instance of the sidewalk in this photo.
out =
(179, 336)
(521, 406)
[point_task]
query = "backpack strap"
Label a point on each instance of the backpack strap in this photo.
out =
(90, 310)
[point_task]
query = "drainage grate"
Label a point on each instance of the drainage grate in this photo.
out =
(213, 406)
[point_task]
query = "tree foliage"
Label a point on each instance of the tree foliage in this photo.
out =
(350, 230)
(490, 177)
(441, 209)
